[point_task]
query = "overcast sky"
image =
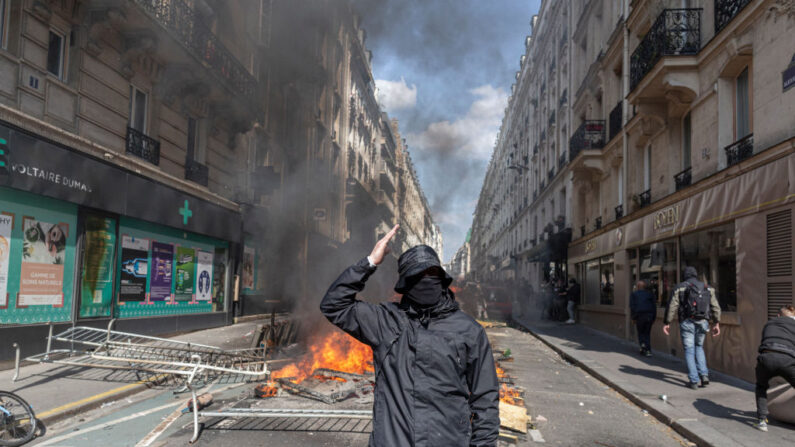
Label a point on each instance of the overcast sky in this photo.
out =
(444, 68)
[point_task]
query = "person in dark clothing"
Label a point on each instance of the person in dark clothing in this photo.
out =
(643, 309)
(572, 298)
(436, 384)
(693, 329)
(776, 358)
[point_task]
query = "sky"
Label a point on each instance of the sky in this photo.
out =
(444, 69)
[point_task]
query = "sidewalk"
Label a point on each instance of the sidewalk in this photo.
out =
(58, 391)
(718, 415)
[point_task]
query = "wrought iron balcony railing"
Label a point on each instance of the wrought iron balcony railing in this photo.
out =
(142, 146)
(645, 198)
(726, 10)
(551, 174)
(582, 230)
(186, 26)
(619, 212)
(683, 178)
(615, 120)
(740, 150)
(562, 161)
(196, 172)
(675, 32)
(590, 135)
(597, 223)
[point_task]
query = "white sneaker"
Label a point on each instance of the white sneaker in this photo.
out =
(570, 321)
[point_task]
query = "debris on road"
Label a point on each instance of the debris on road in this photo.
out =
(265, 390)
(514, 417)
(203, 400)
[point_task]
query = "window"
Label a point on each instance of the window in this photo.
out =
(743, 122)
(687, 134)
(599, 280)
(138, 104)
(712, 253)
(55, 54)
(606, 280)
(196, 141)
(3, 18)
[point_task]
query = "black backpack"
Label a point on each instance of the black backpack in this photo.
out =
(696, 301)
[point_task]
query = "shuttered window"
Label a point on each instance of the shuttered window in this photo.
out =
(779, 261)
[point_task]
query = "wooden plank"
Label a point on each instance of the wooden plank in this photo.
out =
(513, 417)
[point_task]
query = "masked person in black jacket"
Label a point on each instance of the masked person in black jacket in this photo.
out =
(776, 358)
(436, 384)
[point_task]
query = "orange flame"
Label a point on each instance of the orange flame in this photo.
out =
(338, 351)
(510, 395)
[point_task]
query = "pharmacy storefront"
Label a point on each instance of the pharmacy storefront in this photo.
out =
(83, 241)
(738, 235)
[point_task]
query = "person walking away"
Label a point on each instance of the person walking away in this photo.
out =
(436, 384)
(776, 358)
(573, 297)
(696, 306)
(643, 310)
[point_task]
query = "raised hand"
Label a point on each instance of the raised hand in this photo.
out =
(381, 248)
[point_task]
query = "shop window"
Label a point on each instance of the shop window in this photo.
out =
(592, 286)
(712, 252)
(607, 281)
(55, 54)
(658, 269)
(138, 105)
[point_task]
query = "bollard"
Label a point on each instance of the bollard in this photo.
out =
(16, 363)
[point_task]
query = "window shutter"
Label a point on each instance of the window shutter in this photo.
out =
(779, 261)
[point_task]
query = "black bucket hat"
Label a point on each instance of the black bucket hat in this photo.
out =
(413, 262)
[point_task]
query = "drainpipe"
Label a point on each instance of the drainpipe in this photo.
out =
(625, 143)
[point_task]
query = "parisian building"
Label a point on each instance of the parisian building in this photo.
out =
(175, 165)
(680, 154)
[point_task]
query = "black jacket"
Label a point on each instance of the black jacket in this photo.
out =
(642, 302)
(779, 335)
(435, 379)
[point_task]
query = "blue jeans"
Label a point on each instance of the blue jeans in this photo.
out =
(693, 333)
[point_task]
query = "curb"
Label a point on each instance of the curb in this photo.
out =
(695, 431)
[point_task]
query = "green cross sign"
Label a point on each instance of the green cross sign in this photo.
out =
(186, 213)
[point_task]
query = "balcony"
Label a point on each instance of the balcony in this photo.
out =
(582, 231)
(590, 135)
(675, 32)
(196, 172)
(740, 150)
(142, 146)
(185, 25)
(683, 179)
(597, 223)
(561, 161)
(645, 198)
(726, 10)
(615, 120)
(551, 174)
(619, 211)
(542, 186)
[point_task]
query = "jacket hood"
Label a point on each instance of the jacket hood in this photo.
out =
(690, 272)
(414, 261)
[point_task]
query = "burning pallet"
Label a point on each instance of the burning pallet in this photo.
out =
(329, 386)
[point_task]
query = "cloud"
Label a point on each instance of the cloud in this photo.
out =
(470, 136)
(396, 95)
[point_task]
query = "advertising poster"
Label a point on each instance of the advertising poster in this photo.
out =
(97, 289)
(185, 273)
(248, 268)
(162, 263)
(43, 251)
(219, 277)
(134, 269)
(204, 275)
(6, 222)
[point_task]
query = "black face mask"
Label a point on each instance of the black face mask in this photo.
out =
(426, 292)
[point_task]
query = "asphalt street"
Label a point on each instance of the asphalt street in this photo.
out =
(568, 407)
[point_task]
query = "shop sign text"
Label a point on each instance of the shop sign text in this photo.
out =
(667, 217)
